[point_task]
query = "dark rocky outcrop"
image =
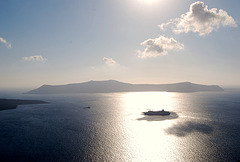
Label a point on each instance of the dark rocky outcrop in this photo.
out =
(6, 104)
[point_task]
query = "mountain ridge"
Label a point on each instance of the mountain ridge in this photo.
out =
(110, 86)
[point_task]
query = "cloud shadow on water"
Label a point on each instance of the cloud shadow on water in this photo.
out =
(188, 127)
(172, 115)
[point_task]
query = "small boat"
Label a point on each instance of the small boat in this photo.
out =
(87, 107)
(150, 112)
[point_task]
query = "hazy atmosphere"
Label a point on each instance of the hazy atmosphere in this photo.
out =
(119, 80)
(137, 41)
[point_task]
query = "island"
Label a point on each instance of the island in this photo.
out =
(6, 104)
(110, 86)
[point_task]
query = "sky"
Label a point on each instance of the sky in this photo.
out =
(134, 41)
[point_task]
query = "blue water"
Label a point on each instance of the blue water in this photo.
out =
(203, 126)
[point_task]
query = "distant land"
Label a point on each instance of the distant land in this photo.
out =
(116, 86)
(6, 104)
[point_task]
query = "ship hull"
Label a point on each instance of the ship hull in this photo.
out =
(161, 113)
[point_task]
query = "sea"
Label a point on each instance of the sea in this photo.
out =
(202, 126)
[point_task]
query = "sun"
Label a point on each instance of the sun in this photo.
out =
(149, 2)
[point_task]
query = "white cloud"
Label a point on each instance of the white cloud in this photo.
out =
(158, 46)
(35, 58)
(109, 61)
(200, 19)
(7, 44)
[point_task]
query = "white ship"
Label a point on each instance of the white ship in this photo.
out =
(150, 112)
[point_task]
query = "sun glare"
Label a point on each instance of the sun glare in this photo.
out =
(137, 102)
(147, 139)
(149, 2)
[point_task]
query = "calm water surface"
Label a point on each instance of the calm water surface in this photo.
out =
(201, 127)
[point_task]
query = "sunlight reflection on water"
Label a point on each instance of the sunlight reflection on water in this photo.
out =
(147, 141)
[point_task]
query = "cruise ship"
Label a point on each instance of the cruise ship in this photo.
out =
(150, 112)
